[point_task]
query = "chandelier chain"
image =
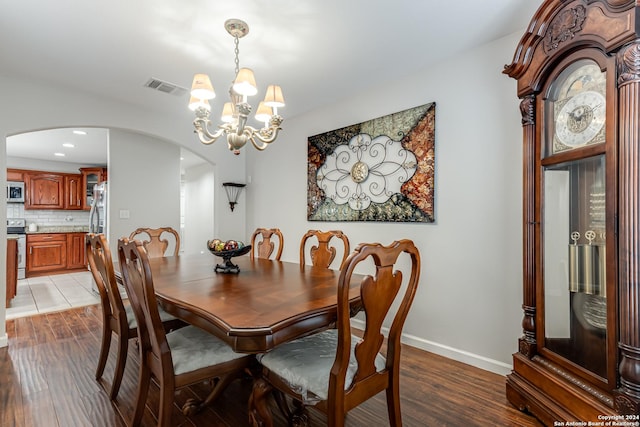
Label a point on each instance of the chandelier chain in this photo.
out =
(237, 52)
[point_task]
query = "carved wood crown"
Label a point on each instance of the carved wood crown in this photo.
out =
(629, 64)
(564, 27)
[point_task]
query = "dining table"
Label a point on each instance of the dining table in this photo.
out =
(263, 305)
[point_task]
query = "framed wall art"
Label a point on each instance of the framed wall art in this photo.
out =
(378, 170)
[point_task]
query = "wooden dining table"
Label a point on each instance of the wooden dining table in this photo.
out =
(266, 304)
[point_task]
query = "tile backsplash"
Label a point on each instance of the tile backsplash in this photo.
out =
(47, 217)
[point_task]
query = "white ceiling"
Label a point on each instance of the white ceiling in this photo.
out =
(318, 51)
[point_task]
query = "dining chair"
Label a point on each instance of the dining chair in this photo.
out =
(117, 317)
(323, 254)
(334, 370)
(157, 243)
(176, 359)
(262, 246)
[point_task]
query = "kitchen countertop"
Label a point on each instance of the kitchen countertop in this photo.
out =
(12, 237)
(60, 229)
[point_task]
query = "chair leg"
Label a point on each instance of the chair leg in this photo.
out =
(123, 346)
(259, 413)
(193, 406)
(144, 378)
(393, 403)
(166, 405)
(104, 349)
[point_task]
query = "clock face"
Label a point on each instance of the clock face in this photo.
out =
(581, 118)
(579, 108)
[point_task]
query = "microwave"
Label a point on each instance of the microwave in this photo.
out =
(15, 192)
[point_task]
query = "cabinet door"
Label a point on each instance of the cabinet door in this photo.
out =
(73, 195)
(12, 269)
(76, 257)
(46, 252)
(90, 177)
(44, 191)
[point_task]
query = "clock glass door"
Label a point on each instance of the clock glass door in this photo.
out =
(575, 303)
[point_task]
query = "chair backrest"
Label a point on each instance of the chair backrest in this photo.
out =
(101, 266)
(157, 244)
(323, 254)
(138, 282)
(264, 248)
(378, 293)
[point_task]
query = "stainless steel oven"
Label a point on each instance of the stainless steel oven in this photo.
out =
(17, 226)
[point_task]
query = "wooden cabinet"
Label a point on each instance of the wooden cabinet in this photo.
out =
(15, 175)
(90, 177)
(55, 253)
(579, 81)
(12, 269)
(46, 253)
(44, 190)
(76, 252)
(73, 192)
(52, 190)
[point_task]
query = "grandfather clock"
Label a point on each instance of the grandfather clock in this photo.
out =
(578, 73)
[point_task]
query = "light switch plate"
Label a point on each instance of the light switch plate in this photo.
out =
(124, 214)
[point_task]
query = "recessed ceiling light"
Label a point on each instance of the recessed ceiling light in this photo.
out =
(79, 132)
(68, 145)
(59, 154)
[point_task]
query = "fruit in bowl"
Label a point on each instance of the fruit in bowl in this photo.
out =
(217, 245)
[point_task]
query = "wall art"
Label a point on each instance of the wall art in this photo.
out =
(378, 170)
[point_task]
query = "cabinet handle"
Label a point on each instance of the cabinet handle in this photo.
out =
(30, 250)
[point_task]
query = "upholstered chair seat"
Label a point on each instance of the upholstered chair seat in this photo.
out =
(193, 349)
(305, 364)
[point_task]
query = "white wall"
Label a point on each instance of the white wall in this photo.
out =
(144, 180)
(468, 302)
(199, 190)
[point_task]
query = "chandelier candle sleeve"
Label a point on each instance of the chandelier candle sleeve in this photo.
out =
(235, 113)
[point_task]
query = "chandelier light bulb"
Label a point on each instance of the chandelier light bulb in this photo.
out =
(264, 113)
(245, 83)
(202, 87)
(197, 102)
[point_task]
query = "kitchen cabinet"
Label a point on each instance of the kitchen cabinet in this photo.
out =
(76, 252)
(44, 190)
(55, 253)
(46, 253)
(90, 177)
(15, 175)
(73, 192)
(12, 269)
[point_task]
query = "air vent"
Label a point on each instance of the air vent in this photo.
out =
(165, 87)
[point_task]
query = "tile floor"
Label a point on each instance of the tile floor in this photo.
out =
(45, 294)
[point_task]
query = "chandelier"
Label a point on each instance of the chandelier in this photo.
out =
(235, 113)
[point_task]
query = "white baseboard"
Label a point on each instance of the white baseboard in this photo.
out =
(476, 360)
(4, 340)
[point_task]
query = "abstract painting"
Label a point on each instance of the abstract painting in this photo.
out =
(378, 170)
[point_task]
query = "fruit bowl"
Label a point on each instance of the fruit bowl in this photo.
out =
(228, 266)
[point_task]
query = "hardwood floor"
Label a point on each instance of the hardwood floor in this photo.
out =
(47, 379)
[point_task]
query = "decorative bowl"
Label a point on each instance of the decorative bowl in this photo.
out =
(228, 266)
